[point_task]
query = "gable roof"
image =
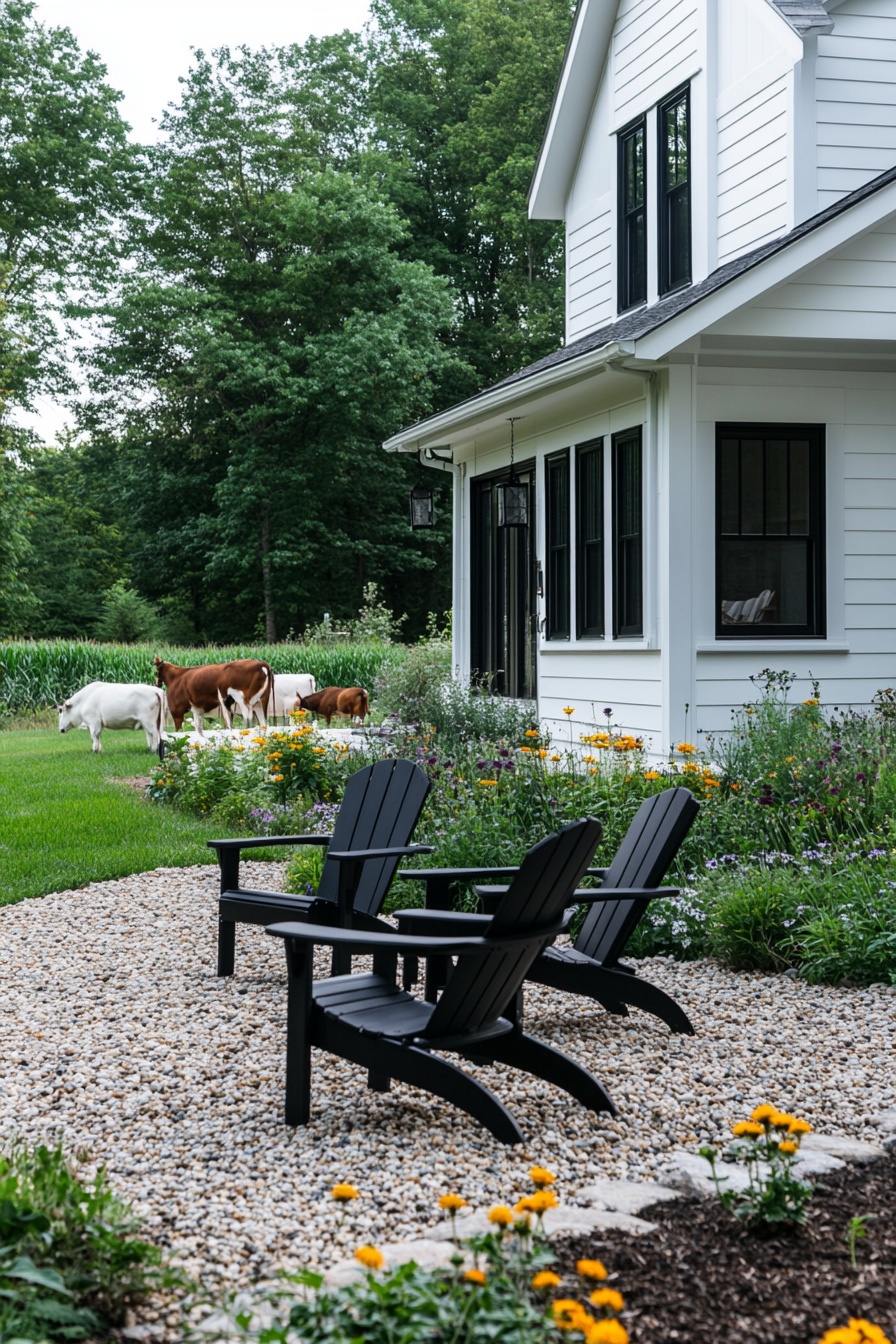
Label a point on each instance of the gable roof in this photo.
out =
(643, 322)
(806, 17)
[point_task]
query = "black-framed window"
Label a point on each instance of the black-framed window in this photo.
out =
(674, 196)
(590, 539)
(632, 189)
(628, 564)
(556, 470)
(770, 578)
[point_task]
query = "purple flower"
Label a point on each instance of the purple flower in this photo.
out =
(835, 790)
(609, 713)
(482, 765)
(712, 863)
(502, 751)
(860, 778)
(835, 746)
(508, 765)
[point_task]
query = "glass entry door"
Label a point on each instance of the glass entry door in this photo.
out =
(503, 616)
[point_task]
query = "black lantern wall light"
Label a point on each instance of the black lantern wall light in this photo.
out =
(513, 494)
(421, 507)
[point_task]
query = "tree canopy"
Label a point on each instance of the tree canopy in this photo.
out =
(327, 242)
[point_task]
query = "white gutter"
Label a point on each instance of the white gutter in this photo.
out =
(411, 440)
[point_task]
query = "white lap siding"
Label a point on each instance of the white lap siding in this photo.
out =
(856, 97)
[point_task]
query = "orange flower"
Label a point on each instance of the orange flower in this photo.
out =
(546, 1278)
(568, 709)
(591, 1269)
(607, 1297)
(501, 1215)
(746, 1129)
(607, 1332)
(370, 1257)
(541, 1176)
(474, 1276)
(343, 1192)
(452, 1202)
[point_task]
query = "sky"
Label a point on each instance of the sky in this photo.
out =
(146, 48)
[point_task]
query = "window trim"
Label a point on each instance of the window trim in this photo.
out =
(817, 533)
(592, 447)
(624, 220)
(557, 549)
(664, 195)
(629, 629)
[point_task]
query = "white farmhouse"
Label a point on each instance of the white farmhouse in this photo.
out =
(712, 455)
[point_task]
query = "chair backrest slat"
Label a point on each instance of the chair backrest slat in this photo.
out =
(480, 987)
(650, 844)
(380, 807)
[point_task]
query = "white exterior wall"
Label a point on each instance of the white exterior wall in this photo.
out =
(856, 97)
(656, 45)
(858, 656)
(590, 228)
(849, 295)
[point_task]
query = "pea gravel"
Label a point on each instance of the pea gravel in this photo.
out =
(118, 1037)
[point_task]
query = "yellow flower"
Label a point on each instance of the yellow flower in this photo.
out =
(763, 1112)
(542, 753)
(710, 783)
(607, 1297)
(651, 774)
(591, 1269)
(589, 759)
(531, 732)
(275, 755)
(686, 748)
(555, 758)
(546, 1278)
(788, 1147)
(748, 1128)
(568, 709)
(540, 1202)
(452, 1202)
(501, 1215)
(810, 701)
(474, 1276)
(487, 782)
(525, 748)
(370, 1257)
(569, 1314)
(607, 1332)
(859, 1331)
(781, 1120)
(321, 751)
(276, 779)
(343, 1192)
(799, 1127)
(735, 787)
(541, 1176)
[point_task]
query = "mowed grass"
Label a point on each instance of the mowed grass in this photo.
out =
(68, 816)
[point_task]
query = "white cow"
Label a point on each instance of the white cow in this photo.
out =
(287, 685)
(115, 704)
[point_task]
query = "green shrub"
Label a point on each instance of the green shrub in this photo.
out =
(751, 918)
(70, 1262)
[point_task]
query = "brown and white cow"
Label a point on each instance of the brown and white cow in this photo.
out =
(215, 689)
(351, 702)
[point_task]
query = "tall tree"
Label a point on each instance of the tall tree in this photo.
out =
(65, 179)
(460, 96)
(270, 338)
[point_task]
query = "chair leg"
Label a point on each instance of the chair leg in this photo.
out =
(433, 1074)
(642, 994)
(299, 1007)
(378, 1081)
(226, 946)
(532, 1056)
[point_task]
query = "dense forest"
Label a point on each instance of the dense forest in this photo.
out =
(326, 242)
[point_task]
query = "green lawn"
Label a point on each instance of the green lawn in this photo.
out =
(67, 817)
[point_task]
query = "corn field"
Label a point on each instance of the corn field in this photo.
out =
(34, 675)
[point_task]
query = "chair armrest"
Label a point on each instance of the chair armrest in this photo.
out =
(361, 855)
(359, 943)
(262, 841)
(456, 874)
(587, 897)
(443, 923)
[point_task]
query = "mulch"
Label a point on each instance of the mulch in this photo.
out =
(701, 1279)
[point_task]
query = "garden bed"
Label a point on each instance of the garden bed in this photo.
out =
(701, 1279)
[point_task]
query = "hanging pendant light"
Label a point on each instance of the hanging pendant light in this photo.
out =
(513, 494)
(422, 515)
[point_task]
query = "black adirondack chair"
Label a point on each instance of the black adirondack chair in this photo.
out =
(379, 810)
(383, 1028)
(591, 967)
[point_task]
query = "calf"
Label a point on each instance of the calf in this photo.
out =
(216, 688)
(113, 704)
(289, 685)
(351, 702)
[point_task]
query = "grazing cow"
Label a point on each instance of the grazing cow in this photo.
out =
(216, 688)
(352, 703)
(114, 704)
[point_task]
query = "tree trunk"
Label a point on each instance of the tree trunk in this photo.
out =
(264, 546)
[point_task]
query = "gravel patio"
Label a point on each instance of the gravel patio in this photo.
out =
(119, 1037)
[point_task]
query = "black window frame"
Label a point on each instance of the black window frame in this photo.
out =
(628, 542)
(814, 538)
(631, 222)
(669, 199)
(558, 541)
(590, 540)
